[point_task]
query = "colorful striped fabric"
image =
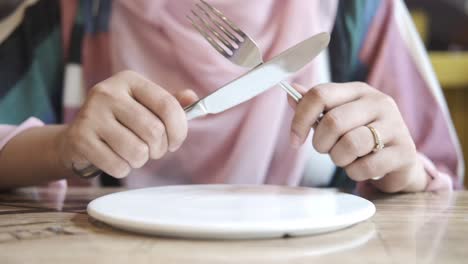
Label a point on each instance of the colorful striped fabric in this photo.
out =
(43, 44)
(31, 64)
(32, 60)
(352, 24)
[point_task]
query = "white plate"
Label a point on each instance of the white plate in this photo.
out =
(230, 211)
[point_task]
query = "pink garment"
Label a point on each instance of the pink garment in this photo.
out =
(250, 143)
(8, 132)
(247, 144)
(252, 146)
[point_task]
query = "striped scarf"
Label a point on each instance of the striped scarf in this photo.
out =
(37, 74)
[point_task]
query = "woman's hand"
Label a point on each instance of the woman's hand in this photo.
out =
(342, 132)
(125, 121)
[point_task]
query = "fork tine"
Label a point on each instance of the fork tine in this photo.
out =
(213, 43)
(219, 26)
(224, 18)
(211, 29)
(225, 31)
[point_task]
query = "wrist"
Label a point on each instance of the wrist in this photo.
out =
(411, 178)
(33, 157)
(60, 155)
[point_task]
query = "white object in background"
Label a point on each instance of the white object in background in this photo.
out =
(73, 94)
(230, 211)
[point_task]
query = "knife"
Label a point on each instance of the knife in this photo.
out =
(248, 85)
(260, 79)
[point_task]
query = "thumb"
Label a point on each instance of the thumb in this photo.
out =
(301, 90)
(186, 97)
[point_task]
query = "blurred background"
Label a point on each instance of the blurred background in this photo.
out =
(443, 26)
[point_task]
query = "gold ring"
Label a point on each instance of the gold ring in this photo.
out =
(378, 144)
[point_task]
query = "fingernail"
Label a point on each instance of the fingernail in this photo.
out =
(174, 148)
(294, 140)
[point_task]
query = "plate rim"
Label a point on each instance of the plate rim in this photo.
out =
(217, 231)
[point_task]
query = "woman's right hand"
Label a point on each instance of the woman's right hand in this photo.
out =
(125, 121)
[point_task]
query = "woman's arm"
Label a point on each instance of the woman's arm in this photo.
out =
(32, 157)
(125, 121)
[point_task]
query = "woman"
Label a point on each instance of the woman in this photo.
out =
(129, 120)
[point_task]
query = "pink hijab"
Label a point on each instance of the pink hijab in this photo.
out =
(247, 144)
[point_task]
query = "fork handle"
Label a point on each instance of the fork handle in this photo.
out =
(291, 91)
(297, 97)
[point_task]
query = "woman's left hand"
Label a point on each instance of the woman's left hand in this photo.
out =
(343, 132)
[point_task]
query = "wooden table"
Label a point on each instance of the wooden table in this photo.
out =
(51, 226)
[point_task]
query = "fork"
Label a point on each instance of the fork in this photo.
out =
(230, 41)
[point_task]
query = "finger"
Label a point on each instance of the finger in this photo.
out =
(342, 119)
(143, 123)
(100, 155)
(163, 105)
(125, 143)
(299, 88)
(378, 164)
(358, 143)
(320, 99)
(186, 97)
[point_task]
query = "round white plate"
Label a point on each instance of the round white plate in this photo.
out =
(230, 211)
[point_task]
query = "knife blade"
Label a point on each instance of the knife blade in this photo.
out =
(261, 78)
